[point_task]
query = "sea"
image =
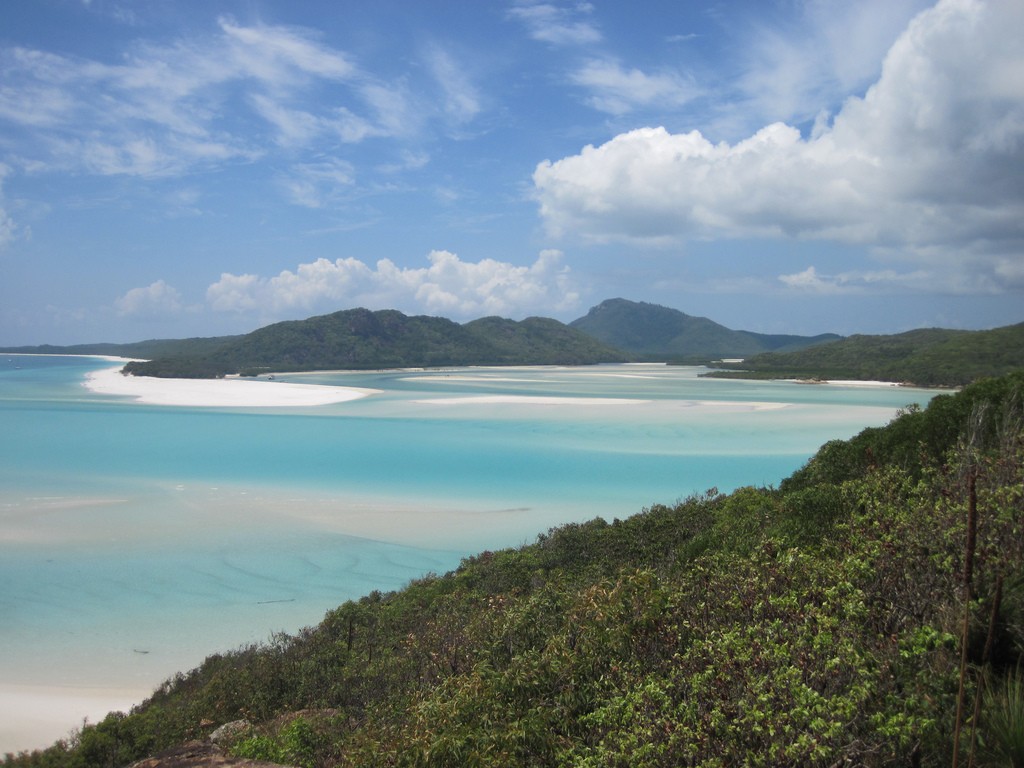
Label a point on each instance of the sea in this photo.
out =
(137, 539)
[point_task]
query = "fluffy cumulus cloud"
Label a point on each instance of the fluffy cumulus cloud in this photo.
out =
(928, 165)
(448, 286)
(158, 299)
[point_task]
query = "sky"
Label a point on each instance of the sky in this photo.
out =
(177, 168)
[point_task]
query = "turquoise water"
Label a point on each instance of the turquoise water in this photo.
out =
(137, 539)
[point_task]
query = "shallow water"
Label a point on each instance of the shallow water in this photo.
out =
(136, 539)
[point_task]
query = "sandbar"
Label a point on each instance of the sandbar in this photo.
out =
(529, 400)
(699, 405)
(219, 393)
(35, 716)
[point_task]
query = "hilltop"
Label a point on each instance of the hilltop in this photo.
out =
(655, 332)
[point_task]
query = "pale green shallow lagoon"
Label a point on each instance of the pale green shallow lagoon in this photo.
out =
(136, 539)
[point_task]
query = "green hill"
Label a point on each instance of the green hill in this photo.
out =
(926, 357)
(140, 349)
(661, 333)
(860, 614)
(361, 339)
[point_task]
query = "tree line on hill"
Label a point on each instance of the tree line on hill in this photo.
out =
(925, 357)
(868, 611)
(615, 330)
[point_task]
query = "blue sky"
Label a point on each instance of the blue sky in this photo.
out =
(172, 168)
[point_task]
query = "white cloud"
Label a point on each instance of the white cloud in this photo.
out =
(617, 90)
(460, 98)
(160, 109)
(856, 282)
(927, 166)
(8, 229)
(558, 25)
(448, 286)
(827, 49)
(314, 185)
(275, 54)
(155, 300)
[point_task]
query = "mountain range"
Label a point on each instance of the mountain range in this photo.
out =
(615, 330)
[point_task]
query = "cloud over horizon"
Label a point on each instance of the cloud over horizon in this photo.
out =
(761, 163)
(926, 168)
(448, 286)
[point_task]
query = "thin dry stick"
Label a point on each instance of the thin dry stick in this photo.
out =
(985, 656)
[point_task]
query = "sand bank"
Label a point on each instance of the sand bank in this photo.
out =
(674, 405)
(35, 716)
(219, 393)
(846, 382)
(529, 400)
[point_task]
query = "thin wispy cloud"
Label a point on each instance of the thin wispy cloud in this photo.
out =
(460, 99)
(8, 229)
(161, 110)
(617, 90)
(567, 24)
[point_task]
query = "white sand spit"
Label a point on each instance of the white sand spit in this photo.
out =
(529, 400)
(219, 393)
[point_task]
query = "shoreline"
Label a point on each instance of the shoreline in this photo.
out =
(36, 716)
(219, 393)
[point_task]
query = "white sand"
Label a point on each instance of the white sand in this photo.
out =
(702, 405)
(219, 393)
(858, 383)
(529, 400)
(846, 382)
(35, 716)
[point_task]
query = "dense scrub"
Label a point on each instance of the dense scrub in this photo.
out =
(855, 615)
(927, 357)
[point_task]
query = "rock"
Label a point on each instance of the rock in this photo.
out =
(198, 754)
(231, 732)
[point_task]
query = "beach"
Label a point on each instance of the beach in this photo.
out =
(219, 393)
(42, 714)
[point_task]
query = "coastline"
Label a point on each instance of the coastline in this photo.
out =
(219, 393)
(42, 714)
(341, 536)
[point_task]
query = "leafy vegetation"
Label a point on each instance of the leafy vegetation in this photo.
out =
(869, 611)
(926, 357)
(660, 333)
(361, 339)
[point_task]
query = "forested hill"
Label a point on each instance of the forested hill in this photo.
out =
(141, 349)
(868, 611)
(361, 339)
(926, 357)
(661, 333)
